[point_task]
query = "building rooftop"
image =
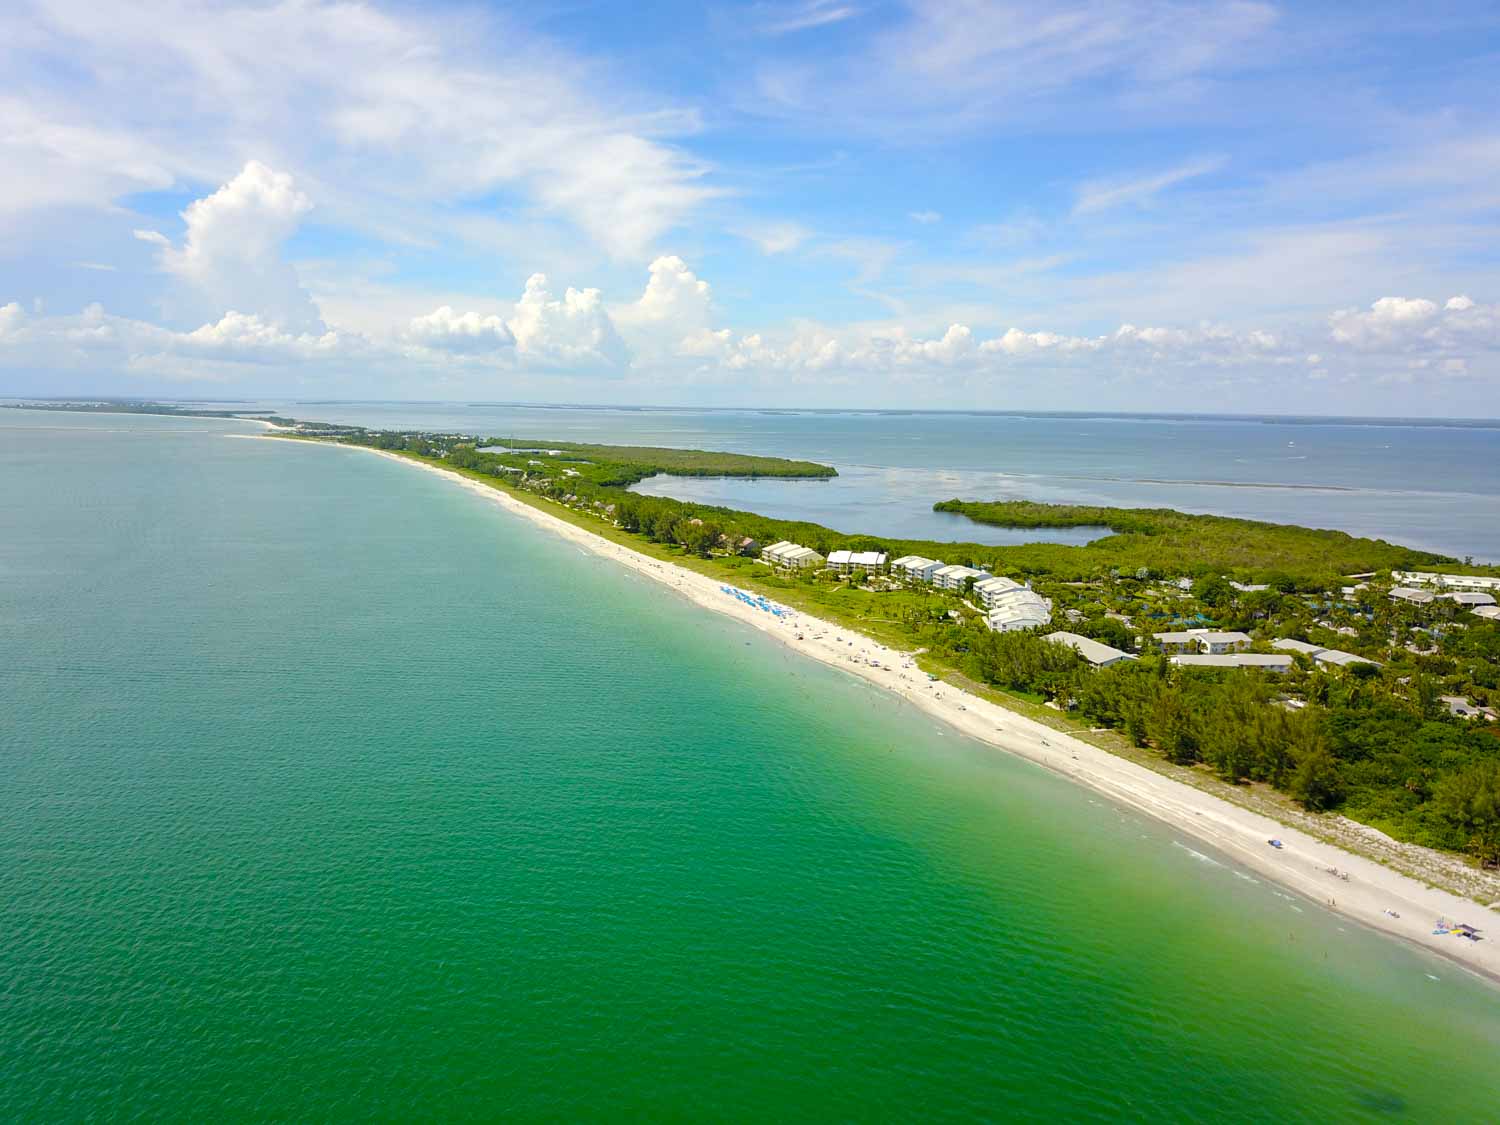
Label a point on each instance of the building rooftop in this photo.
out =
(1234, 660)
(856, 558)
(1095, 652)
(1411, 594)
(1287, 644)
(1207, 636)
(786, 551)
(1018, 617)
(1456, 581)
(1341, 658)
(997, 583)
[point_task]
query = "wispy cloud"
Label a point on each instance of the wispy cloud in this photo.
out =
(398, 119)
(926, 218)
(775, 237)
(1103, 195)
(946, 66)
(871, 256)
(784, 19)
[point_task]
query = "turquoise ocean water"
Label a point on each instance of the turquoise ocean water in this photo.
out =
(329, 790)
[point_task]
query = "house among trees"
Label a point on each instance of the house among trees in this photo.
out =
(1265, 661)
(1208, 642)
(1097, 653)
(1411, 594)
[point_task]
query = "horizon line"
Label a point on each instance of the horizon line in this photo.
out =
(1467, 423)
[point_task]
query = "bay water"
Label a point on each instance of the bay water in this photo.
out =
(329, 789)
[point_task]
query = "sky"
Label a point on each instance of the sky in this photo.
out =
(1126, 205)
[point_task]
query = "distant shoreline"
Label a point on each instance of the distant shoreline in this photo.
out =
(1378, 420)
(1374, 895)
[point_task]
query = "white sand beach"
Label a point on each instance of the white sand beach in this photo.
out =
(1372, 894)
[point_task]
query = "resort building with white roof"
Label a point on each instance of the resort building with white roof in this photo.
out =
(1452, 581)
(1323, 657)
(1287, 644)
(1469, 597)
(1411, 594)
(953, 577)
(1029, 613)
(986, 589)
(1266, 661)
(847, 562)
(916, 568)
(1209, 642)
(1097, 653)
(1337, 658)
(1010, 606)
(794, 556)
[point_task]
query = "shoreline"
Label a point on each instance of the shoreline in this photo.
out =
(1369, 895)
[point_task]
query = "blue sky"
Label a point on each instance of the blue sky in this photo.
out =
(1123, 204)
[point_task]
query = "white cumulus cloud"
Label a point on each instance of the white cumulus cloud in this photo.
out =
(573, 330)
(676, 304)
(1388, 320)
(231, 257)
(447, 330)
(247, 336)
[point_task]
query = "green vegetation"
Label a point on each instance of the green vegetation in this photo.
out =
(606, 466)
(1361, 742)
(1375, 742)
(1167, 541)
(684, 462)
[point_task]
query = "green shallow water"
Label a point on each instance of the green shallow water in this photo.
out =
(329, 790)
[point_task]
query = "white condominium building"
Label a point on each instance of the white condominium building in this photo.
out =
(953, 577)
(915, 568)
(791, 555)
(846, 562)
